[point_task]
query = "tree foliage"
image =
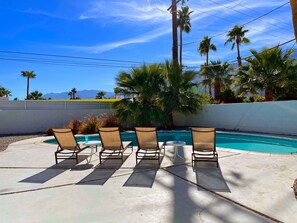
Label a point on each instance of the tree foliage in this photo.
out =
(35, 95)
(152, 93)
(272, 70)
(29, 75)
(184, 24)
(236, 36)
(205, 46)
(4, 92)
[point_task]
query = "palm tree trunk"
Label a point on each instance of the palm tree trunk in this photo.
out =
(217, 89)
(268, 95)
(207, 70)
(174, 34)
(28, 79)
(170, 124)
(180, 45)
(294, 15)
(238, 54)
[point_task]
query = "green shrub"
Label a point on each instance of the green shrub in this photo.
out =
(228, 96)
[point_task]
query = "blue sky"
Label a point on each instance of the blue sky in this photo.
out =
(130, 30)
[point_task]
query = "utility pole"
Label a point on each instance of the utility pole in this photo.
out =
(173, 9)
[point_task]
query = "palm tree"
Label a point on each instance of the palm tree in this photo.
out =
(70, 94)
(141, 89)
(222, 76)
(35, 95)
(4, 92)
(28, 75)
(236, 36)
(184, 24)
(244, 79)
(204, 47)
(270, 69)
(100, 95)
(178, 93)
(73, 91)
(207, 78)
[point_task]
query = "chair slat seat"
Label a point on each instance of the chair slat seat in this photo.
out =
(148, 145)
(67, 144)
(112, 144)
(204, 145)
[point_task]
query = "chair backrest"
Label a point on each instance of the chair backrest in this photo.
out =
(147, 138)
(204, 139)
(65, 139)
(110, 138)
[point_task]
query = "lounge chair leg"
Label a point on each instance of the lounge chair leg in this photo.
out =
(136, 157)
(56, 158)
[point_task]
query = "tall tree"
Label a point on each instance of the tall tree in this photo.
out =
(173, 9)
(270, 70)
(204, 47)
(236, 37)
(184, 24)
(29, 75)
(70, 94)
(174, 32)
(178, 93)
(100, 95)
(73, 91)
(221, 73)
(4, 92)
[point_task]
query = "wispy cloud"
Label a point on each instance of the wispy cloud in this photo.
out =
(146, 37)
(128, 11)
(49, 14)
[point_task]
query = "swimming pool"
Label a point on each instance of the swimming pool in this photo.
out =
(247, 142)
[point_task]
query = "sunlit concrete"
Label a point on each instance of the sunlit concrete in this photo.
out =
(247, 187)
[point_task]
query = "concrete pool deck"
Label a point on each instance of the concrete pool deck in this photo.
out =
(247, 187)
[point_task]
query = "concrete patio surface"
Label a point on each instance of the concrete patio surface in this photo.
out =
(247, 187)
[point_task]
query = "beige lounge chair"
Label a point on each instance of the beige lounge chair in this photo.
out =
(67, 144)
(204, 145)
(148, 145)
(112, 144)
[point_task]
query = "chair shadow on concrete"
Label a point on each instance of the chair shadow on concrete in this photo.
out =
(102, 172)
(53, 171)
(144, 173)
(209, 177)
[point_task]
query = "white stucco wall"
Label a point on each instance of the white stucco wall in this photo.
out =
(266, 117)
(32, 121)
(18, 117)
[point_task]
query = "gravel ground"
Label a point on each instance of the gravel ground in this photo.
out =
(6, 140)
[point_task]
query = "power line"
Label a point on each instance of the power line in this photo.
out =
(282, 44)
(49, 62)
(67, 56)
(265, 14)
(222, 33)
(258, 18)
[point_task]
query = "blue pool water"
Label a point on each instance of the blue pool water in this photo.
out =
(248, 142)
